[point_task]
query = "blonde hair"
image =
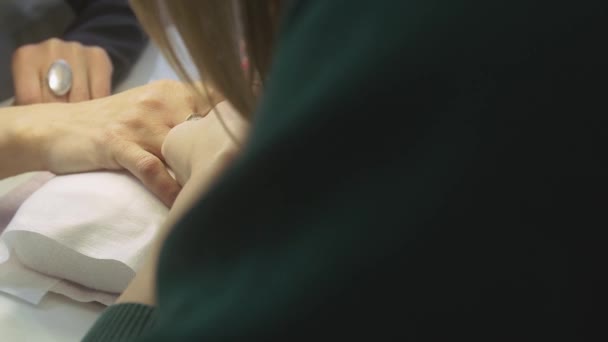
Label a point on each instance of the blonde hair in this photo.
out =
(212, 32)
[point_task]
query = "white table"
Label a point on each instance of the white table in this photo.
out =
(58, 318)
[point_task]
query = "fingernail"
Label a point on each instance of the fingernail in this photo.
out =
(194, 116)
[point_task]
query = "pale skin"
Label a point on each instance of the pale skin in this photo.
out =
(124, 131)
(137, 130)
(197, 151)
(91, 69)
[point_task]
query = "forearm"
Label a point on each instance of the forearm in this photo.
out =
(142, 289)
(21, 139)
(199, 151)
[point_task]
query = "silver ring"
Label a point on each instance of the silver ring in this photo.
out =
(194, 116)
(59, 77)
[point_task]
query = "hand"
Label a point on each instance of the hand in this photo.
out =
(197, 151)
(124, 131)
(204, 145)
(91, 69)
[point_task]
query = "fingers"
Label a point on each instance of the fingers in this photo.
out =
(91, 71)
(26, 77)
(177, 149)
(151, 171)
(99, 71)
(80, 75)
(73, 54)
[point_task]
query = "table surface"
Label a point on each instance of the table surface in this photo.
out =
(58, 318)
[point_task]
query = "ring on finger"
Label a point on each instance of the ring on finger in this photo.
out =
(59, 77)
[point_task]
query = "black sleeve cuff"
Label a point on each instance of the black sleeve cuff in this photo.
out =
(122, 322)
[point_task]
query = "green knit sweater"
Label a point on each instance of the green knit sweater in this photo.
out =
(421, 169)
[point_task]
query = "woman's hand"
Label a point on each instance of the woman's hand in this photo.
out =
(204, 144)
(197, 151)
(124, 131)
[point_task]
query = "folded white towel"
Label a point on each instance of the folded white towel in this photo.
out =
(82, 235)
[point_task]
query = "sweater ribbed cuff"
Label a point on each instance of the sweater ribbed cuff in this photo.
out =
(121, 322)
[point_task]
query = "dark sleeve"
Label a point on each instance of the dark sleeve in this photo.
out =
(109, 24)
(414, 173)
(121, 322)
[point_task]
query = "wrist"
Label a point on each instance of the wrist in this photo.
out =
(23, 137)
(142, 289)
(36, 135)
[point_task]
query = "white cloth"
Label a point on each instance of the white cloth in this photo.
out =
(81, 235)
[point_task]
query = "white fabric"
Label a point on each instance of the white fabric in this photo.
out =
(81, 235)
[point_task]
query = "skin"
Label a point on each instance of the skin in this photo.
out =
(91, 69)
(198, 151)
(124, 131)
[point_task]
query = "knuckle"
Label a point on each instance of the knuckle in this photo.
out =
(134, 123)
(151, 100)
(151, 103)
(148, 166)
(53, 41)
(74, 46)
(97, 52)
(160, 96)
(23, 52)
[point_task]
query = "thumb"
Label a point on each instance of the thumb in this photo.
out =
(151, 171)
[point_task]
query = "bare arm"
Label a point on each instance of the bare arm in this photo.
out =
(124, 131)
(22, 137)
(197, 151)
(143, 287)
